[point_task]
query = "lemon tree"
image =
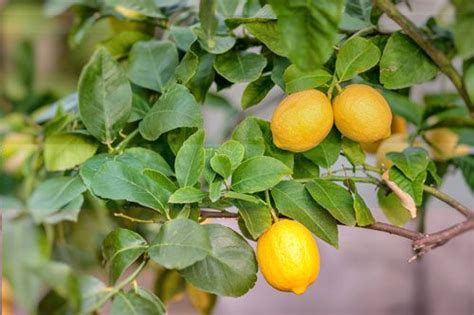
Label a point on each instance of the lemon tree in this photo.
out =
(122, 176)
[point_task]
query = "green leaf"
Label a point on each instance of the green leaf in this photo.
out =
(120, 249)
(362, 212)
(176, 108)
(216, 45)
(234, 151)
(466, 164)
(294, 201)
(256, 91)
(304, 168)
(240, 66)
(141, 158)
(202, 80)
(256, 217)
(69, 212)
(105, 97)
(187, 68)
(464, 22)
(132, 303)
(258, 173)
(357, 55)
(27, 247)
(269, 34)
(239, 196)
(392, 208)
(334, 198)
(160, 308)
(189, 163)
(227, 7)
(145, 7)
(215, 189)
(209, 22)
(152, 64)
(92, 292)
(396, 64)
(360, 9)
(403, 106)
(412, 161)
(271, 149)
(187, 195)
(229, 269)
(161, 180)
(53, 194)
(353, 152)
(327, 152)
(67, 150)
(118, 181)
(120, 44)
(279, 67)
(297, 80)
(183, 36)
(222, 165)
(308, 29)
(180, 243)
(140, 108)
(249, 134)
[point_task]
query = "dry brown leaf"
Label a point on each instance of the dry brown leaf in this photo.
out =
(405, 198)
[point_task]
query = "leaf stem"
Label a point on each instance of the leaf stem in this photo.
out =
(132, 219)
(122, 145)
(269, 205)
(114, 290)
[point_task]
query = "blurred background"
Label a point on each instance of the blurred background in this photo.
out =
(368, 275)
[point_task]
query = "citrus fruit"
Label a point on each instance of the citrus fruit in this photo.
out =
(399, 125)
(129, 13)
(444, 144)
(15, 149)
(362, 114)
(394, 143)
(302, 121)
(288, 256)
(7, 298)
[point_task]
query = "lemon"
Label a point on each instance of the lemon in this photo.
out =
(399, 125)
(7, 298)
(445, 144)
(129, 13)
(362, 114)
(302, 121)
(288, 256)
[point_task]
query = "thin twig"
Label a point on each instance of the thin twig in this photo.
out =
(425, 43)
(448, 200)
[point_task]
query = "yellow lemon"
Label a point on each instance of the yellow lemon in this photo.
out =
(7, 298)
(302, 121)
(362, 114)
(288, 256)
(129, 13)
(444, 144)
(394, 143)
(399, 125)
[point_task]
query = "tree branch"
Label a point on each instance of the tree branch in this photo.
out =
(438, 57)
(448, 200)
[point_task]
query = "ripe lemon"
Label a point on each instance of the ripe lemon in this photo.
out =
(7, 298)
(445, 144)
(362, 114)
(302, 121)
(288, 256)
(129, 13)
(399, 125)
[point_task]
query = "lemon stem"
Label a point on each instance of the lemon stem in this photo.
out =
(269, 205)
